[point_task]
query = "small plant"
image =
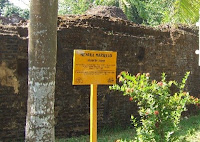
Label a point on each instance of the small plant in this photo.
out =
(159, 110)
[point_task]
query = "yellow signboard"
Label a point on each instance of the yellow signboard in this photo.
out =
(94, 67)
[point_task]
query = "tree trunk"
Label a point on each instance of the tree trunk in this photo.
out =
(42, 53)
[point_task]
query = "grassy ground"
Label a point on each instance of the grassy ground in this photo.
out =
(105, 136)
(189, 132)
(190, 129)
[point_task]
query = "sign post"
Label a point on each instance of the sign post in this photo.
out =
(94, 68)
(93, 113)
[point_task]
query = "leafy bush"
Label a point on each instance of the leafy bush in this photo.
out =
(159, 110)
(10, 9)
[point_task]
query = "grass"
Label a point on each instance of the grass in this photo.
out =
(105, 136)
(190, 129)
(189, 132)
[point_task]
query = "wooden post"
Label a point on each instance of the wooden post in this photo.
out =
(93, 113)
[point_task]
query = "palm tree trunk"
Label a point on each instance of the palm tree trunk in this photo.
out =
(42, 53)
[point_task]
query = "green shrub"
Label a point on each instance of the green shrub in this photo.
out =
(160, 111)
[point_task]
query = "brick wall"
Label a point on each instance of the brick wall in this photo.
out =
(139, 48)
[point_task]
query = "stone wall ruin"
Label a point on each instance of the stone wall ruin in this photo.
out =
(139, 48)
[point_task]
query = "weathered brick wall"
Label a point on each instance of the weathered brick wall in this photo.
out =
(13, 51)
(139, 48)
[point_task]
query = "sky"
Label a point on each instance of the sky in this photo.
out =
(21, 3)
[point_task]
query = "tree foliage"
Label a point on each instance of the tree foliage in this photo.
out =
(10, 10)
(7, 9)
(73, 7)
(3, 3)
(183, 11)
(148, 12)
(154, 12)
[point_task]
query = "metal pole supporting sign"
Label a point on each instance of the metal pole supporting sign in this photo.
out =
(93, 113)
(198, 51)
